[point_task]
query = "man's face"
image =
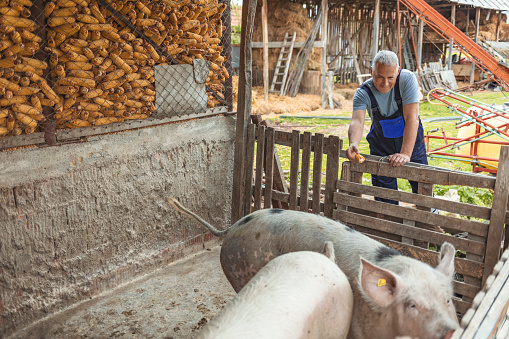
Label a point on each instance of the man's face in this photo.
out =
(384, 77)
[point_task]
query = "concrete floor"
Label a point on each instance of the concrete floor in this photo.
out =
(175, 301)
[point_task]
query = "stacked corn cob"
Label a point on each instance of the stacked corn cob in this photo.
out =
(21, 87)
(103, 71)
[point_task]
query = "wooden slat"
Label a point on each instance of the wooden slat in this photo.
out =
(317, 172)
(269, 165)
(484, 309)
(463, 266)
(425, 201)
(460, 225)
(461, 306)
(331, 175)
(260, 147)
(284, 138)
(408, 231)
(497, 312)
(498, 211)
(285, 197)
(22, 140)
(304, 174)
(294, 169)
(248, 195)
(424, 173)
(466, 289)
(71, 134)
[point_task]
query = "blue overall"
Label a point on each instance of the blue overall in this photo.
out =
(386, 138)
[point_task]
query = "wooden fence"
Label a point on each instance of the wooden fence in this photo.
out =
(413, 227)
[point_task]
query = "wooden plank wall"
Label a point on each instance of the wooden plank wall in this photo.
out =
(305, 177)
(414, 229)
(355, 22)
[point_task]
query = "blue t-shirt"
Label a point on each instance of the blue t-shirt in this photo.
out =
(408, 87)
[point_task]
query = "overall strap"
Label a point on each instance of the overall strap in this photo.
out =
(397, 93)
(375, 109)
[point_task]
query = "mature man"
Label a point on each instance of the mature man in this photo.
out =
(391, 98)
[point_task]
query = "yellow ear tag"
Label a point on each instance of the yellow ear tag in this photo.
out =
(381, 282)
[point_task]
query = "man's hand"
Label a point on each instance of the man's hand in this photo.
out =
(398, 159)
(352, 151)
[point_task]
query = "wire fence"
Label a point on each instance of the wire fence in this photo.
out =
(69, 64)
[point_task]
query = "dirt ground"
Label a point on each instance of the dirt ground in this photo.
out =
(175, 301)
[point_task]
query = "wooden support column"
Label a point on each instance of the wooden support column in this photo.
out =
(325, 11)
(376, 28)
(243, 108)
(497, 30)
(451, 40)
(265, 40)
(398, 14)
(419, 44)
(477, 17)
(498, 212)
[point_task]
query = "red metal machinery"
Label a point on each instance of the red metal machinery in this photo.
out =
(495, 70)
(489, 122)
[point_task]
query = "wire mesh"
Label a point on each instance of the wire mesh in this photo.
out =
(77, 63)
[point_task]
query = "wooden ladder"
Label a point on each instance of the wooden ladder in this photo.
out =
(407, 54)
(283, 63)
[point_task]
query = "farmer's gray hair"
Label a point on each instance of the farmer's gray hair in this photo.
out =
(387, 58)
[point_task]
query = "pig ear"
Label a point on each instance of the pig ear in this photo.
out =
(328, 251)
(378, 284)
(446, 260)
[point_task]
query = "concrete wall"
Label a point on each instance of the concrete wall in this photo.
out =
(80, 218)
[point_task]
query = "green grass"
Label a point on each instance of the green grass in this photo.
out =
(426, 110)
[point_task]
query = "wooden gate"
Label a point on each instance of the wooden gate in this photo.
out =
(267, 184)
(414, 227)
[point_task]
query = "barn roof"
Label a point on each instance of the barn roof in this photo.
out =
(502, 5)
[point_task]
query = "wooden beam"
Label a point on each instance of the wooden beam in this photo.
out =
(265, 38)
(279, 44)
(451, 41)
(376, 28)
(325, 11)
(497, 30)
(398, 14)
(243, 108)
(419, 44)
(477, 17)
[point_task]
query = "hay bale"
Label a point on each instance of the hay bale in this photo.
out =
(283, 16)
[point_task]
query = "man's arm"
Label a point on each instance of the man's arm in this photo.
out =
(355, 133)
(411, 116)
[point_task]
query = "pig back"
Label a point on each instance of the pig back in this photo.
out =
(296, 295)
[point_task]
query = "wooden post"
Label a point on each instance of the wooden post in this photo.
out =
(468, 21)
(269, 166)
(325, 10)
(497, 30)
(477, 17)
(265, 39)
(451, 41)
(498, 212)
(248, 183)
(376, 28)
(398, 14)
(331, 174)
(419, 44)
(243, 108)
(294, 169)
